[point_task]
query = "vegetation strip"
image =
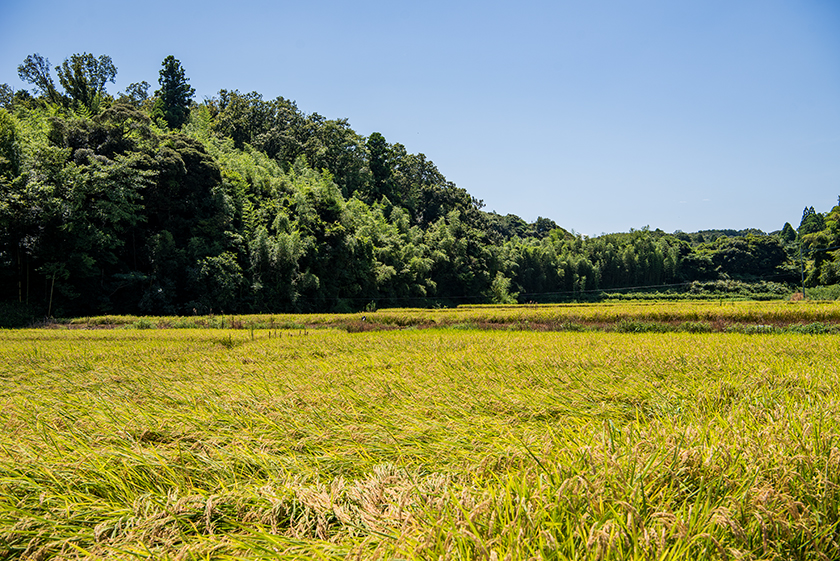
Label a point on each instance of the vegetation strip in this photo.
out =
(693, 317)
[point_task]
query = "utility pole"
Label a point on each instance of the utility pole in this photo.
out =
(802, 269)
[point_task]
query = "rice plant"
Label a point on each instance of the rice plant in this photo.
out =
(424, 444)
(658, 316)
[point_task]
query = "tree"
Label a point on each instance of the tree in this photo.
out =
(379, 165)
(174, 95)
(543, 226)
(10, 154)
(788, 234)
(812, 221)
(136, 93)
(84, 76)
(7, 96)
(500, 290)
(35, 70)
(340, 150)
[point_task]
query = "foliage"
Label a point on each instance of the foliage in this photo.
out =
(35, 70)
(10, 150)
(174, 95)
(15, 314)
(812, 221)
(500, 290)
(136, 93)
(244, 204)
(788, 234)
(83, 77)
(830, 292)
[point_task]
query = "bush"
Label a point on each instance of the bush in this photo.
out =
(695, 327)
(144, 323)
(830, 292)
(817, 328)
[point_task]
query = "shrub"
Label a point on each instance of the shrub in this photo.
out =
(816, 328)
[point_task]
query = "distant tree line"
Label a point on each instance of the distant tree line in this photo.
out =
(155, 204)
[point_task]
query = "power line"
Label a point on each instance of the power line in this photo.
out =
(812, 250)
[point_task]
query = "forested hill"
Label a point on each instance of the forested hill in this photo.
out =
(152, 203)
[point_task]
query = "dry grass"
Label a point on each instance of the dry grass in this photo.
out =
(419, 444)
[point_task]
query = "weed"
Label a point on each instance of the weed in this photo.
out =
(695, 327)
(816, 328)
(143, 323)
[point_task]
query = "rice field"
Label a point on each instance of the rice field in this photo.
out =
(449, 443)
(714, 316)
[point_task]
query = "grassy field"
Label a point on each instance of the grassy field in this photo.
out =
(449, 443)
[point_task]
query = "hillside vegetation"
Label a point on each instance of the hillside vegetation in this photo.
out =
(151, 203)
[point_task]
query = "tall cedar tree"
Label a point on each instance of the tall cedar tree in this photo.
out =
(174, 95)
(380, 167)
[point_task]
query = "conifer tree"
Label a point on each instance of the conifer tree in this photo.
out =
(174, 95)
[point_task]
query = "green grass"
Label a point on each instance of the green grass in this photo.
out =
(419, 444)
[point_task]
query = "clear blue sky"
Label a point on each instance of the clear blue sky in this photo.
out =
(602, 115)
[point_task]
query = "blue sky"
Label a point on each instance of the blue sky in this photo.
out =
(602, 115)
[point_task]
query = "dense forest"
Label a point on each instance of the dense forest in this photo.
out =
(152, 203)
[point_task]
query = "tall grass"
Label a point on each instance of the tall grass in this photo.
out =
(418, 444)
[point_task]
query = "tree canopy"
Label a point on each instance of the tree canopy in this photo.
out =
(158, 205)
(35, 70)
(84, 76)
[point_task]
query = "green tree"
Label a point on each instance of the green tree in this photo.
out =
(812, 221)
(543, 226)
(7, 96)
(340, 150)
(380, 166)
(174, 95)
(500, 290)
(220, 278)
(788, 234)
(135, 94)
(35, 70)
(10, 154)
(84, 76)
(242, 117)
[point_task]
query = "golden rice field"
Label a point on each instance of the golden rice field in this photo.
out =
(448, 443)
(717, 315)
